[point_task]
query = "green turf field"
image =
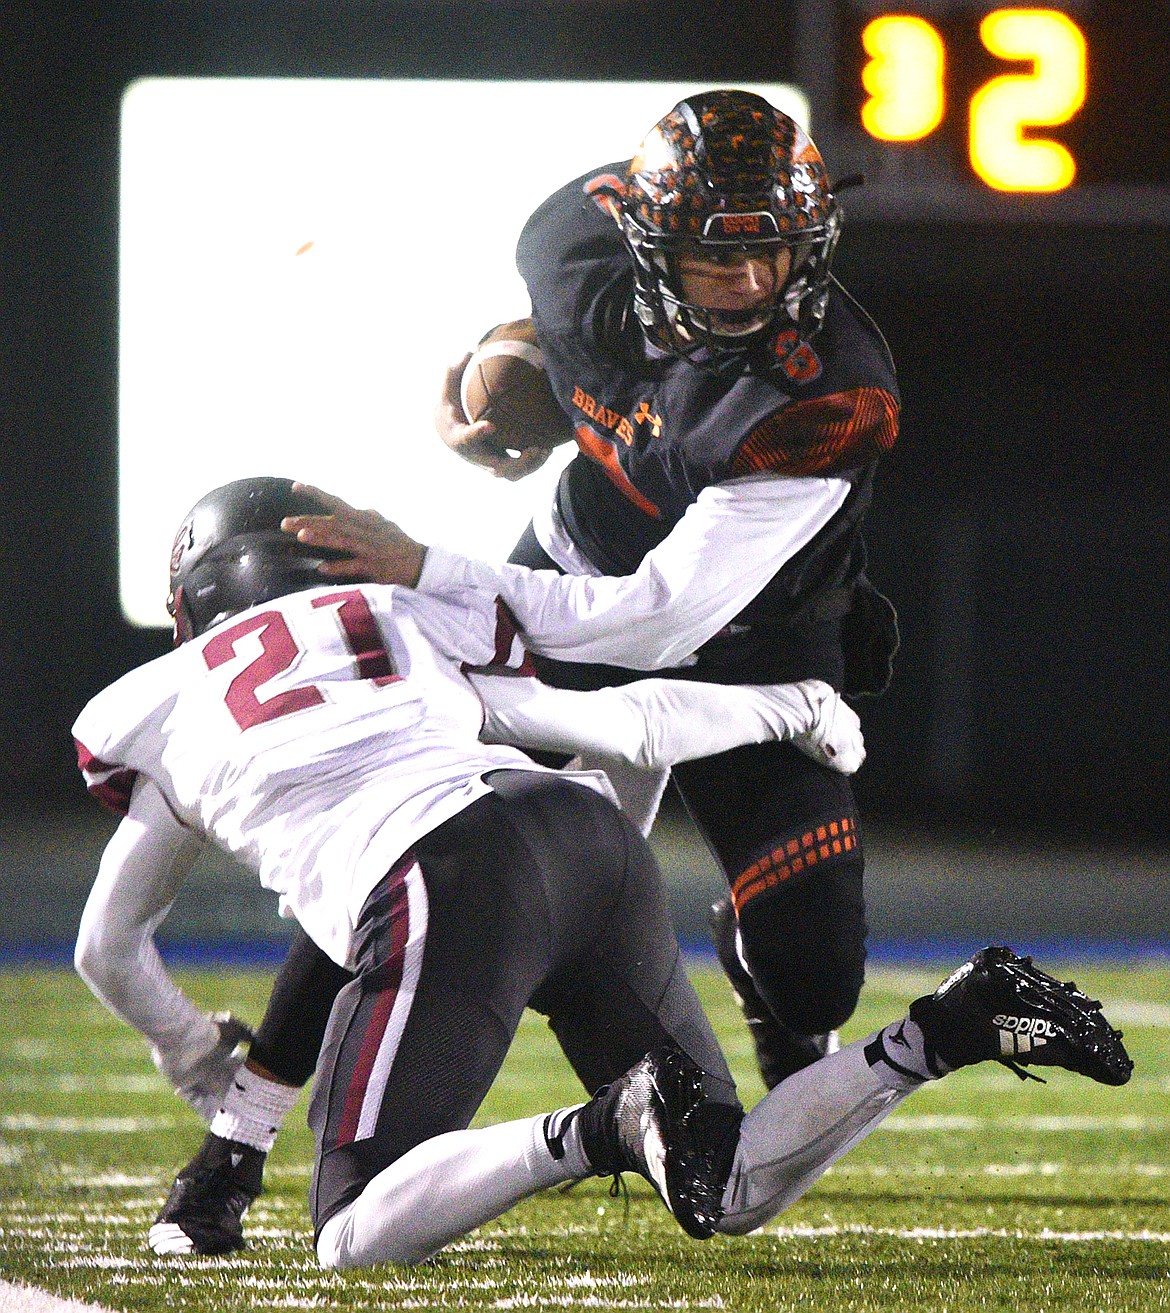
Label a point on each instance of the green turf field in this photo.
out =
(979, 1193)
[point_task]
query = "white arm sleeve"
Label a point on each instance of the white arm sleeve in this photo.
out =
(722, 552)
(654, 723)
(141, 870)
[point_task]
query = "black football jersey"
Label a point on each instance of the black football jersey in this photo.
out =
(654, 430)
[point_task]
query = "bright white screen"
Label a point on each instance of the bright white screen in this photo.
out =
(301, 260)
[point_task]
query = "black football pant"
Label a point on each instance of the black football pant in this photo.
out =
(540, 894)
(802, 921)
(785, 832)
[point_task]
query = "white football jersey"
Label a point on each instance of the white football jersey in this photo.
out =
(316, 737)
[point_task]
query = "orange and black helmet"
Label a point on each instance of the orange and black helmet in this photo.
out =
(726, 170)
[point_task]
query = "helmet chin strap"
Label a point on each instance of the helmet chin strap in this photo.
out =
(177, 605)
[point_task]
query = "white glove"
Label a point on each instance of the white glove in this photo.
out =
(201, 1071)
(835, 738)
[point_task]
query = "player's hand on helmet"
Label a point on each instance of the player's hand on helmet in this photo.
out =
(376, 549)
(477, 442)
(201, 1071)
(834, 738)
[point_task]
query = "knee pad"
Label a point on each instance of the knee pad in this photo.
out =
(333, 1239)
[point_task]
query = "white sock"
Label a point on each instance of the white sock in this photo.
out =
(798, 1130)
(446, 1187)
(254, 1109)
(562, 1135)
(901, 1046)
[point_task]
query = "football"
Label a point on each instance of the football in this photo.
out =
(505, 382)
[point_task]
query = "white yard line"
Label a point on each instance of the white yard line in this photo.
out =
(1057, 1124)
(27, 1299)
(68, 1082)
(1138, 1013)
(28, 1121)
(968, 1233)
(938, 1170)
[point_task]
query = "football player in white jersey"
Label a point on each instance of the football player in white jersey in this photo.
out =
(328, 737)
(221, 563)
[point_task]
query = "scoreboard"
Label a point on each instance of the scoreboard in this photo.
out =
(905, 83)
(972, 109)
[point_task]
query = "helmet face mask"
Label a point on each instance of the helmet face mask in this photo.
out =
(230, 553)
(702, 320)
(725, 171)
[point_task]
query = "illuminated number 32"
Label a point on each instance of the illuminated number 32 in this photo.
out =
(904, 79)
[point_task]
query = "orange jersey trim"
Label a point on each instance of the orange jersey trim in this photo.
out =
(793, 856)
(605, 454)
(822, 434)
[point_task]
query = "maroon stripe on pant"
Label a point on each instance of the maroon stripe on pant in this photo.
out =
(389, 974)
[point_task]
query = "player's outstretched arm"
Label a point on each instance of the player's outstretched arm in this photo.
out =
(709, 567)
(715, 560)
(142, 868)
(376, 549)
(655, 723)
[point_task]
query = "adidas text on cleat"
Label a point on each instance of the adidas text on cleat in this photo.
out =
(656, 1121)
(780, 1051)
(204, 1210)
(1001, 1006)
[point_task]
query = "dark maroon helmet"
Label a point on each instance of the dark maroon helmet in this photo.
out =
(230, 553)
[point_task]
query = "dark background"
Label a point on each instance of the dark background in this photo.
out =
(1021, 524)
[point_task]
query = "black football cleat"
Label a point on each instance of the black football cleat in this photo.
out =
(656, 1121)
(780, 1051)
(204, 1211)
(1000, 1006)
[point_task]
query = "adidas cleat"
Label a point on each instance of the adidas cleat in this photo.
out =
(656, 1121)
(1001, 1006)
(780, 1051)
(204, 1211)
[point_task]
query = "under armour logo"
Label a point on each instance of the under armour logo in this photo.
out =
(643, 416)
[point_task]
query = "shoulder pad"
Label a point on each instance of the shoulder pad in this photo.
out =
(823, 435)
